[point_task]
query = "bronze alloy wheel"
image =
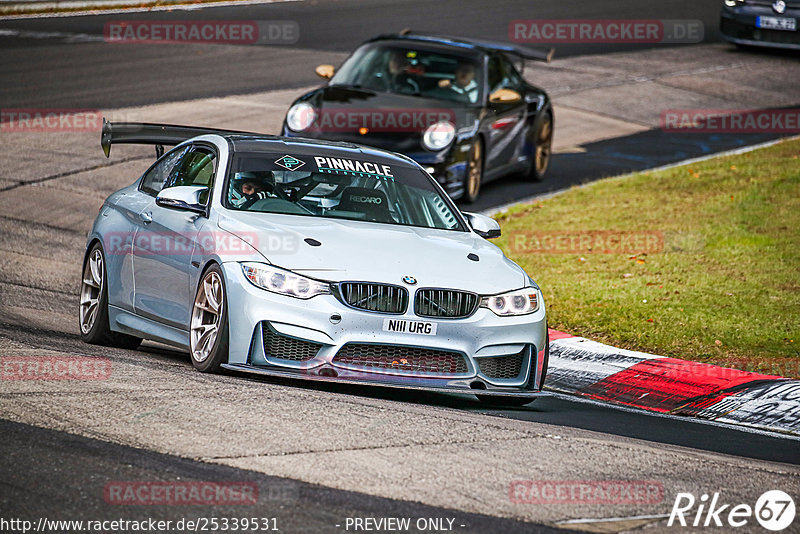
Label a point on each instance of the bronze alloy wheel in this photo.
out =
(474, 172)
(544, 148)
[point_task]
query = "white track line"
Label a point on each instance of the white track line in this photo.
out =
(610, 519)
(550, 194)
(111, 10)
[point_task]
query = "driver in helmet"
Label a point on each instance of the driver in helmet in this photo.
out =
(250, 187)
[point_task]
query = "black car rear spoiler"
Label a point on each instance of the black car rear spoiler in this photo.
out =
(143, 133)
(525, 52)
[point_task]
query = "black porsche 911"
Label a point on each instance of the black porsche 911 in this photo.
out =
(458, 107)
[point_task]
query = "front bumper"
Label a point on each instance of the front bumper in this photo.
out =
(483, 354)
(738, 25)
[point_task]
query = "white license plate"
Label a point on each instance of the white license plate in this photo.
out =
(777, 23)
(404, 326)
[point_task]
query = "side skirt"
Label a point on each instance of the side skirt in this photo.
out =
(129, 323)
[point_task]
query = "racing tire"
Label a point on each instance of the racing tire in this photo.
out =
(93, 307)
(474, 176)
(208, 332)
(542, 148)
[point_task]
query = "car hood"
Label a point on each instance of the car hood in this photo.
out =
(334, 99)
(364, 251)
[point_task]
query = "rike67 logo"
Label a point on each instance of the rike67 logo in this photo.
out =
(774, 510)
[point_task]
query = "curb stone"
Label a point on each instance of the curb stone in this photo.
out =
(585, 368)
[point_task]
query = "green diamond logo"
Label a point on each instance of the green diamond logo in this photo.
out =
(289, 162)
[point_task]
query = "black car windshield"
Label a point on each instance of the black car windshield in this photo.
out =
(335, 187)
(412, 71)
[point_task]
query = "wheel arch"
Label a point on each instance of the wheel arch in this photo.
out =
(94, 240)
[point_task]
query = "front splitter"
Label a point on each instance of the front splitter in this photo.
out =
(364, 382)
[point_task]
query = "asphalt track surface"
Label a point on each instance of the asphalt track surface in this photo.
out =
(47, 472)
(33, 489)
(33, 71)
(59, 63)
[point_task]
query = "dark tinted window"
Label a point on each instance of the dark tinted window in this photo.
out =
(378, 193)
(396, 68)
(503, 74)
(195, 168)
(155, 178)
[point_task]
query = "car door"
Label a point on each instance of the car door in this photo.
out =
(506, 127)
(166, 239)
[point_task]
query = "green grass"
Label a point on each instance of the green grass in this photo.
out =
(724, 289)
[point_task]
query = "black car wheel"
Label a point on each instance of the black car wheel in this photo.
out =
(543, 146)
(472, 181)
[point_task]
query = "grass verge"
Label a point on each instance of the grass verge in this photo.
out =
(698, 262)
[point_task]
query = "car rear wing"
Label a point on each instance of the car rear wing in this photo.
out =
(524, 52)
(143, 133)
(527, 52)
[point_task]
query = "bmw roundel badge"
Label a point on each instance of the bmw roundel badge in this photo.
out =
(410, 280)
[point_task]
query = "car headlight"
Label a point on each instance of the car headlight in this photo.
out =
(519, 302)
(300, 116)
(283, 282)
(733, 3)
(439, 135)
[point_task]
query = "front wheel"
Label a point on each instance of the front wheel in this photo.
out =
(93, 309)
(542, 148)
(472, 181)
(208, 337)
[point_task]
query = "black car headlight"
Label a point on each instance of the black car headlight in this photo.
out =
(520, 302)
(439, 135)
(300, 116)
(283, 282)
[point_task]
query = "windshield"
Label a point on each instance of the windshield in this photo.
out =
(337, 188)
(410, 71)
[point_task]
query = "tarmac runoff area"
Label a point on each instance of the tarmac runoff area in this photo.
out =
(426, 452)
(54, 8)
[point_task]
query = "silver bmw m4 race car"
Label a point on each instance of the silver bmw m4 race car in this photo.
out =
(309, 259)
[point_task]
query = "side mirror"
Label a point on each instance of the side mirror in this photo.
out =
(325, 71)
(484, 226)
(183, 197)
(505, 96)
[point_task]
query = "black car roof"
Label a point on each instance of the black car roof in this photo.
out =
(461, 43)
